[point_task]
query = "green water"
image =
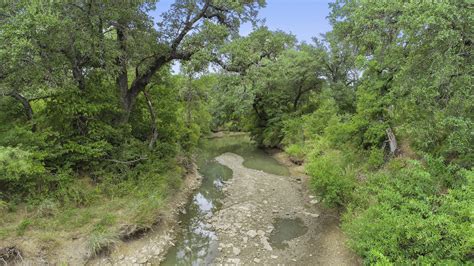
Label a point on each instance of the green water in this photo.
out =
(285, 230)
(254, 157)
(197, 243)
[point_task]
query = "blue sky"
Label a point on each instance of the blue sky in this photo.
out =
(304, 18)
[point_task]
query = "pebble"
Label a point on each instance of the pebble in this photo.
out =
(234, 261)
(236, 251)
(252, 233)
(314, 201)
(265, 244)
(256, 260)
(275, 256)
(314, 215)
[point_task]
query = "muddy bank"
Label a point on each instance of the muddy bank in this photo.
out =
(272, 219)
(152, 247)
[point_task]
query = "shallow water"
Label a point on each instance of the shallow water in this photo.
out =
(285, 230)
(197, 243)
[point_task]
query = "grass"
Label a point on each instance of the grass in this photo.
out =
(101, 241)
(21, 228)
(51, 223)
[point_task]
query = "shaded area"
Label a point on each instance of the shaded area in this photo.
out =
(254, 157)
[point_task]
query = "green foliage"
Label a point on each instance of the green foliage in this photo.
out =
(17, 164)
(21, 228)
(296, 152)
(21, 171)
(409, 216)
(331, 177)
(90, 113)
(376, 158)
(100, 242)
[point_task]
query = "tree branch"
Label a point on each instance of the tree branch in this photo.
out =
(127, 162)
(24, 102)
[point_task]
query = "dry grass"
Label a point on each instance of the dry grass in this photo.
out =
(99, 223)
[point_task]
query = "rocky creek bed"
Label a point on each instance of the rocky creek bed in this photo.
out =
(255, 202)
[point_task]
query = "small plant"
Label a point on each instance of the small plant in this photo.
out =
(296, 153)
(21, 228)
(47, 208)
(101, 242)
(3, 206)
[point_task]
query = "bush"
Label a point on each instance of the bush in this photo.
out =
(20, 171)
(293, 131)
(296, 152)
(330, 177)
(376, 158)
(410, 217)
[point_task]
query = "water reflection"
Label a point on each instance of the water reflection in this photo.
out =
(285, 230)
(197, 243)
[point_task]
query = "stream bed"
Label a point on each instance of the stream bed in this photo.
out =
(197, 243)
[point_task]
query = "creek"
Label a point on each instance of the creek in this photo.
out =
(197, 243)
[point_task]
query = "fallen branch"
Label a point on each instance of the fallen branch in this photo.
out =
(127, 162)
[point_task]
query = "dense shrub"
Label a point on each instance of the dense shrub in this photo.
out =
(296, 152)
(406, 215)
(330, 177)
(21, 171)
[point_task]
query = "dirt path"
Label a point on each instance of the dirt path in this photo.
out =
(254, 201)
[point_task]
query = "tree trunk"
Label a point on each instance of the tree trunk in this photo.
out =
(154, 131)
(392, 141)
(26, 104)
(297, 98)
(122, 78)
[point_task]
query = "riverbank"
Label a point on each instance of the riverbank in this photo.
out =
(152, 247)
(115, 228)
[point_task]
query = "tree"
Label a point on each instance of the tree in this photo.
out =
(187, 28)
(116, 38)
(417, 66)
